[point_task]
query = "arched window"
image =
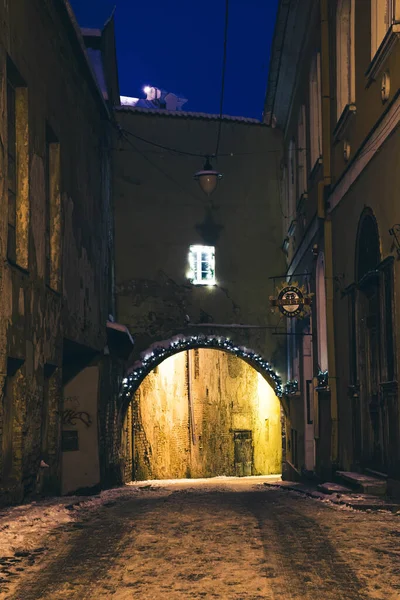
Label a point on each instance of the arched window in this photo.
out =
(368, 253)
(321, 314)
(345, 57)
(315, 110)
(381, 20)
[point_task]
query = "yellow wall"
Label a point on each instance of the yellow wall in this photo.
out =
(184, 425)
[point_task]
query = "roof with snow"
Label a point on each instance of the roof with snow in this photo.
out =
(182, 114)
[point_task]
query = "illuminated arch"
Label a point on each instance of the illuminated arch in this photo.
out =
(159, 351)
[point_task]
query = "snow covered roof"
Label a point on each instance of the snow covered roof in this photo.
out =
(182, 114)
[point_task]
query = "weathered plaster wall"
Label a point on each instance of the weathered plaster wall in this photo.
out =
(186, 412)
(157, 208)
(80, 468)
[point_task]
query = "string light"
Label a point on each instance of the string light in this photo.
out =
(179, 343)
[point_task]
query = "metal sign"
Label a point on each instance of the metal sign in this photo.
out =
(291, 301)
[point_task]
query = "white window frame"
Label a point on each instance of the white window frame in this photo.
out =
(315, 109)
(197, 255)
(382, 13)
(345, 55)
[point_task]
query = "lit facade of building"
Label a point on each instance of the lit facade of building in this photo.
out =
(337, 104)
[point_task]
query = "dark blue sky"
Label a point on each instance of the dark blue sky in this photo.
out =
(178, 46)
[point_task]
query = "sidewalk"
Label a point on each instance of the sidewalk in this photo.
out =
(354, 500)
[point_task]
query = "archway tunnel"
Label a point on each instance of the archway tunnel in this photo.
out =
(202, 413)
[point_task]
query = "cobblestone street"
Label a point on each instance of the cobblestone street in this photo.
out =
(233, 539)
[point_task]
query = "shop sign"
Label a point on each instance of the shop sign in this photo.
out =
(291, 300)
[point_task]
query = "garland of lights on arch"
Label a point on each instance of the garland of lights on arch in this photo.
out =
(162, 350)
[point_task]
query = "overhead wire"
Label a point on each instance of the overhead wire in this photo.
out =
(221, 101)
(193, 154)
(156, 166)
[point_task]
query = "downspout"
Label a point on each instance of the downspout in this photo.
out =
(190, 399)
(323, 190)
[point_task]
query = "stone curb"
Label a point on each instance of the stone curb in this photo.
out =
(357, 501)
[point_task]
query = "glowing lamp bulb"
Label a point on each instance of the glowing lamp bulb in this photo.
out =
(208, 178)
(146, 89)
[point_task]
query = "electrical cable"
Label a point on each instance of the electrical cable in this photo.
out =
(194, 154)
(172, 179)
(221, 102)
(138, 137)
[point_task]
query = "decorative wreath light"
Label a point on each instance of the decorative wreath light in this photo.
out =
(162, 350)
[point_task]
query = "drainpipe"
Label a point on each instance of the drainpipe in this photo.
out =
(190, 398)
(323, 190)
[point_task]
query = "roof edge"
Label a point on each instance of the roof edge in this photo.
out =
(79, 41)
(275, 60)
(188, 115)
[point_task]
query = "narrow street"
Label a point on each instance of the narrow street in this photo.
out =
(222, 538)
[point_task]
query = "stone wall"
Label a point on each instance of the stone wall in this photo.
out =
(50, 327)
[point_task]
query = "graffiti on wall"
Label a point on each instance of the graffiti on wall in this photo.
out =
(71, 415)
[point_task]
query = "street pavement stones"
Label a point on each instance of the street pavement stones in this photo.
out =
(224, 539)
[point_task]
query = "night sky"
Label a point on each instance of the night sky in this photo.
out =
(178, 46)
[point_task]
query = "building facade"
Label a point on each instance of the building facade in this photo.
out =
(337, 106)
(56, 254)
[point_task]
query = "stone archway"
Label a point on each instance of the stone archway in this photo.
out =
(243, 432)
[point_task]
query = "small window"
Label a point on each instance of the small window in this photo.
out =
(315, 117)
(12, 174)
(69, 441)
(345, 57)
(18, 167)
(52, 231)
(202, 265)
(381, 21)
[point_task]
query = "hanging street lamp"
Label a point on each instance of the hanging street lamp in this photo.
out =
(208, 178)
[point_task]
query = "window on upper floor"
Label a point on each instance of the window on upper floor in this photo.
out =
(292, 169)
(315, 110)
(17, 166)
(345, 55)
(52, 233)
(12, 174)
(202, 265)
(381, 20)
(302, 151)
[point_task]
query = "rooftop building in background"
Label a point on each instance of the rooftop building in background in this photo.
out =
(155, 98)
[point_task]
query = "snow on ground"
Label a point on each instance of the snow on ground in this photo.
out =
(188, 539)
(26, 526)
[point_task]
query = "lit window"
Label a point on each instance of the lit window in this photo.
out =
(202, 265)
(345, 88)
(381, 20)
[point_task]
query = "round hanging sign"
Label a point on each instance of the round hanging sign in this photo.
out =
(292, 301)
